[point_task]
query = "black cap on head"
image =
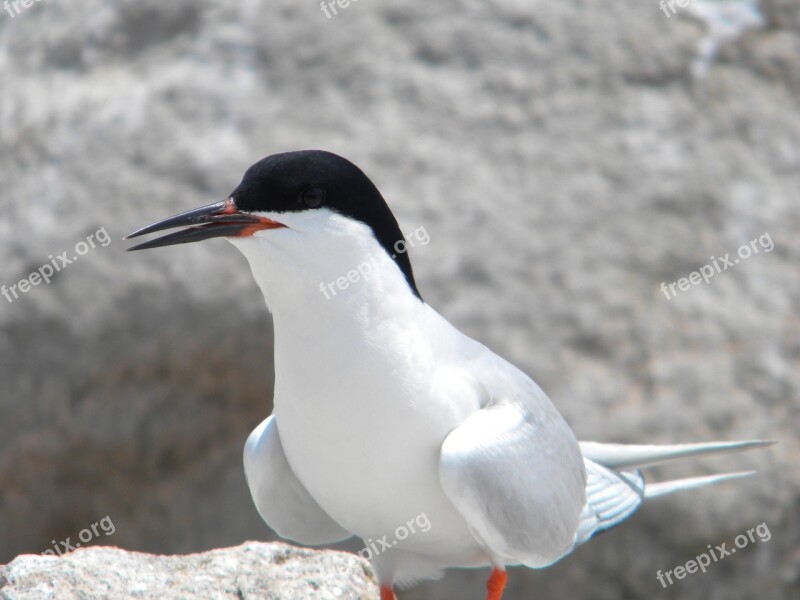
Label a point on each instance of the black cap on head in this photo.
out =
(311, 179)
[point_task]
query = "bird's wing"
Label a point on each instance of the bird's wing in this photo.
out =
(517, 477)
(611, 497)
(282, 501)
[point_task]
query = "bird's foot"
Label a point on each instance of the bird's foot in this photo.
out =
(387, 593)
(495, 585)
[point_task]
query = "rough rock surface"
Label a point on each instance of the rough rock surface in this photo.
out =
(564, 161)
(252, 571)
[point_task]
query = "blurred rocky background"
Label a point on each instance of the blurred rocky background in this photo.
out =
(565, 158)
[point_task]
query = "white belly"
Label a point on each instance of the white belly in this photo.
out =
(371, 461)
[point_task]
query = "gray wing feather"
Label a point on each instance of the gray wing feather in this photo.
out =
(611, 497)
(282, 501)
(516, 476)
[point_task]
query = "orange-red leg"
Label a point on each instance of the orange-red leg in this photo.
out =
(387, 593)
(495, 585)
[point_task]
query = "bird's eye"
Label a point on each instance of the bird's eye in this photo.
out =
(313, 197)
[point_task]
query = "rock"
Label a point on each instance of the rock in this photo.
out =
(251, 571)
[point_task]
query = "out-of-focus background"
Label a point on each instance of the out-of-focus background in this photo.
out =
(565, 158)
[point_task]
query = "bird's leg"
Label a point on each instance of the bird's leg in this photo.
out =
(495, 584)
(387, 593)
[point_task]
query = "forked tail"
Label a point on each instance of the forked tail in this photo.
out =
(615, 487)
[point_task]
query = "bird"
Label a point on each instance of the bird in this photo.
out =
(388, 423)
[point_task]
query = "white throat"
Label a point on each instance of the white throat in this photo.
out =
(323, 264)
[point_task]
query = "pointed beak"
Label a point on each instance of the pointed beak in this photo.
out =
(221, 219)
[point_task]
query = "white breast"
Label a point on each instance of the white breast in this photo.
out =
(364, 395)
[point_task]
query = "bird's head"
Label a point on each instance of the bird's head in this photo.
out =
(295, 207)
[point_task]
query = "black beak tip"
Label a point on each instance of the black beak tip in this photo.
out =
(135, 234)
(139, 232)
(136, 247)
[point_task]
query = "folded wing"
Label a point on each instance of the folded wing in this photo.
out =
(518, 480)
(282, 501)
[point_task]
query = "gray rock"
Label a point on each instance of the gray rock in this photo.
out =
(561, 156)
(251, 571)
